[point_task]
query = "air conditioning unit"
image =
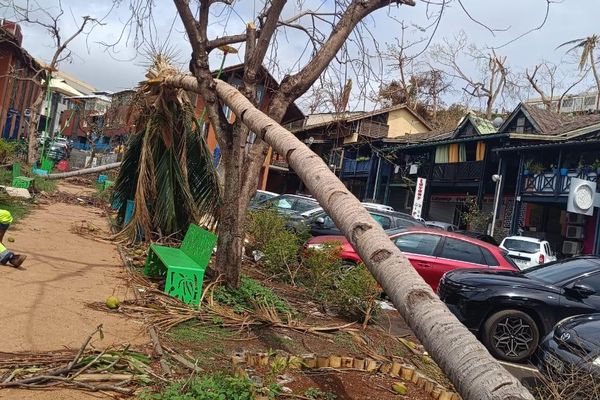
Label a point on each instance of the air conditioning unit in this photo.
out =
(575, 232)
(575, 219)
(572, 248)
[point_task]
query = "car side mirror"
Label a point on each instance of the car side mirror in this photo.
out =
(320, 220)
(583, 290)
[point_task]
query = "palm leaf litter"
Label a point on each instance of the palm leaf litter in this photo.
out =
(167, 170)
(113, 370)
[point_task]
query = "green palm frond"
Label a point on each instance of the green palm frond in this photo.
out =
(167, 170)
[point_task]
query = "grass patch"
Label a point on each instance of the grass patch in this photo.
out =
(18, 208)
(249, 293)
(212, 387)
(191, 331)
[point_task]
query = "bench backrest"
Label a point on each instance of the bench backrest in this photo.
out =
(16, 170)
(198, 244)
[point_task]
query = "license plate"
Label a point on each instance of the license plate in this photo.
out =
(553, 362)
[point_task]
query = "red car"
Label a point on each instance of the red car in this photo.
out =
(433, 252)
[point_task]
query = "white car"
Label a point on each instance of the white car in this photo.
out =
(528, 252)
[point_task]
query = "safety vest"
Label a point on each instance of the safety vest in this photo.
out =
(2, 249)
(5, 217)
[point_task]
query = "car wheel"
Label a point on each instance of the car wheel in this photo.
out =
(511, 335)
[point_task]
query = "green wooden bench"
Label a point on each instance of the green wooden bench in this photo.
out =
(183, 267)
(19, 181)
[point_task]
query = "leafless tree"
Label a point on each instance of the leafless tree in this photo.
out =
(31, 13)
(493, 78)
(547, 80)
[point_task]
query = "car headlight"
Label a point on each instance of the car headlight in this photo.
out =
(315, 246)
(596, 361)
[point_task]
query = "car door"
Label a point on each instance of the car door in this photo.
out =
(327, 227)
(455, 254)
(420, 249)
(574, 305)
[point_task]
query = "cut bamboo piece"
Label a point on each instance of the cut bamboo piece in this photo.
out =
(437, 392)
(446, 395)
(309, 361)
(322, 362)
(263, 359)
(335, 361)
(396, 367)
(385, 368)
(429, 385)
(347, 362)
(252, 359)
(407, 372)
(456, 396)
(371, 365)
(359, 363)
(415, 378)
(103, 377)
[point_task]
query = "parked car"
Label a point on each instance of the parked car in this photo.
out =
(432, 252)
(57, 153)
(510, 311)
(528, 252)
(445, 226)
(260, 196)
(378, 206)
(572, 346)
(481, 236)
(319, 223)
(289, 203)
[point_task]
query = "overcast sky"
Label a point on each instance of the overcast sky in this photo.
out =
(122, 66)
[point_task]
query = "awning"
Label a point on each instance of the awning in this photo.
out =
(60, 86)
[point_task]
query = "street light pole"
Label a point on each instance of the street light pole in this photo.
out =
(496, 178)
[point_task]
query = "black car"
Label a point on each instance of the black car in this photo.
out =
(573, 346)
(511, 311)
(479, 236)
(288, 204)
(319, 223)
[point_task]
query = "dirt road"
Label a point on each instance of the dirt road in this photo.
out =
(44, 303)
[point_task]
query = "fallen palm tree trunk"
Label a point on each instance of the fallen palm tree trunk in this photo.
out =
(85, 171)
(467, 363)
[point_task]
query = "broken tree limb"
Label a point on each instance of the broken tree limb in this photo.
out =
(85, 171)
(466, 362)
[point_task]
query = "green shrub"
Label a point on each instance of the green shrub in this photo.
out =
(281, 254)
(262, 225)
(250, 292)
(356, 294)
(8, 151)
(320, 269)
(211, 387)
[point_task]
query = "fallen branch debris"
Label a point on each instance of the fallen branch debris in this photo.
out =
(106, 370)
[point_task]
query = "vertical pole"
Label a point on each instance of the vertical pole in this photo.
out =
(518, 191)
(497, 197)
(557, 177)
(377, 178)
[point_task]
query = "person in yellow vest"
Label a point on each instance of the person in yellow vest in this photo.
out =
(5, 220)
(7, 256)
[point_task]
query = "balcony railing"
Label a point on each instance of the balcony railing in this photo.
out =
(461, 171)
(554, 183)
(353, 167)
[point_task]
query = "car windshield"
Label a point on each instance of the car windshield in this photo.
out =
(561, 271)
(303, 205)
(522, 246)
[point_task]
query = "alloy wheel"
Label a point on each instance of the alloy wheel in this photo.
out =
(513, 336)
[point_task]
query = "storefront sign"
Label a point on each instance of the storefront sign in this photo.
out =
(419, 197)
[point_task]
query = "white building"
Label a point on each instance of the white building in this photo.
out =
(581, 102)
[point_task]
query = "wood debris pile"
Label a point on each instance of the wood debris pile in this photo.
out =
(111, 370)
